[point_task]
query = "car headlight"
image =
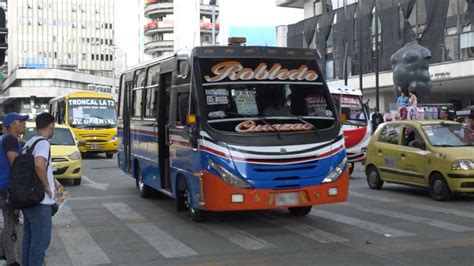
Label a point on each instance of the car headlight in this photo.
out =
(74, 156)
(336, 172)
(463, 165)
(229, 177)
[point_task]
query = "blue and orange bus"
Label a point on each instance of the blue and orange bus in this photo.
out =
(233, 128)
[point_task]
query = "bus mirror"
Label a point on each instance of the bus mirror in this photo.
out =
(191, 119)
(342, 117)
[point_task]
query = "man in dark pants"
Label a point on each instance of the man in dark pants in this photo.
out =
(10, 148)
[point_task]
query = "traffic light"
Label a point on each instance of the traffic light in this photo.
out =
(3, 36)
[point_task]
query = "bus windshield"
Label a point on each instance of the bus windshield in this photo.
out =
(301, 102)
(91, 112)
(351, 106)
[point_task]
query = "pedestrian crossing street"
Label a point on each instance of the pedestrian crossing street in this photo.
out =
(373, 217)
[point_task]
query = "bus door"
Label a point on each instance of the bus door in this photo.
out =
(126, 124)
(163, 129)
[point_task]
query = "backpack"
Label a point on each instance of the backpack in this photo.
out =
(26, 189)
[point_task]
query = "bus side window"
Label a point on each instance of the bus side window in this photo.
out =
(182, 108)
(137, 98)
(61, 111)
(151, 102)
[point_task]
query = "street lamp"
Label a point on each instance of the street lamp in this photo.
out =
(113, 48)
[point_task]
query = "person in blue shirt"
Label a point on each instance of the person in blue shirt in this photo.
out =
(14, 125)
(402, 100)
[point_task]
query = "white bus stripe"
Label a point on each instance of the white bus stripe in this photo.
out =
(372, 197)
(237, 236)
(305, 230)
(366, 225)
(412, 218)
(441, 210)
(79, 244)
(163, 242)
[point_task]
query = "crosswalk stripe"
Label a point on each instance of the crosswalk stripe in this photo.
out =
(79, 244)
(412, 218)
(366, 225)
(372, 197)
(441, 210)
(305, 230)
(237, 236)
(163, 242)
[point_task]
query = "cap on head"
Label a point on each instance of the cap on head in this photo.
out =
(11, 117)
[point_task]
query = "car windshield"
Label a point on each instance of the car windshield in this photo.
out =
(276, 102)
(448, 135)
(62, 136)
(351, 106)
(91, 112)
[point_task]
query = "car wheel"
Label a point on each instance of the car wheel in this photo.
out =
(109, 155)
(300, 211)
(373, 178)
(184, 203)
(438, 188)
(351, 168)
(77, 181)
(144, 190)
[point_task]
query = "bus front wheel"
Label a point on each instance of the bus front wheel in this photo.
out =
(109, 155)
(300, 211)
(184, 200)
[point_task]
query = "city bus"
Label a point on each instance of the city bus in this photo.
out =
(232, 128)
(356, 126)
(93, 119)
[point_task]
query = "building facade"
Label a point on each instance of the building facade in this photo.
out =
(176, 24)
(57, 47)
(444, 27)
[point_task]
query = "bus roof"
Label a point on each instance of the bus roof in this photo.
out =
(234, 51)
(343, 89)
(85, 94)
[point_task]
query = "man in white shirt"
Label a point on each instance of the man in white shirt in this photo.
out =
(37, 224)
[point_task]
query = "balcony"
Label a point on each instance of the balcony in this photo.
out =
(206, 10)
(155, 27)
(155, 9)
(290, 3)
(159, 46)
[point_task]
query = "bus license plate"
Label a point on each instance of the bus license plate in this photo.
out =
(283, 199)
(95, 146)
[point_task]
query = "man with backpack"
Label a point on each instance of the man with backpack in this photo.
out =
(37, 224)
(10, 149)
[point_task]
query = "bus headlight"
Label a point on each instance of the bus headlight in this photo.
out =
(337, 172)
(114, 138)
(74, 156)
(228, 177)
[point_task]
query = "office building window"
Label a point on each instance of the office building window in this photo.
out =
(467, 45)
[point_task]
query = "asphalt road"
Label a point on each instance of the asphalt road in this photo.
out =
(106, 222)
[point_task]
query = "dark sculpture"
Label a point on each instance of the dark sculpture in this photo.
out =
(410, 69)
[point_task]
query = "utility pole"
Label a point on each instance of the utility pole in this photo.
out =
(361, 69)
(377, 91)
(212, 3)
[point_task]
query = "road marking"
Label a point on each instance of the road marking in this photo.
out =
(372, 197)
(56, 253)
(412, 218)
(442, 210)
(304, 230)
(103, 197)
(163, 242)
(366, 225)
(79, 244)
(91, 183)
(237, 236)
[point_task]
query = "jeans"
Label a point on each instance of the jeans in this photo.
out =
(10, 241)
(37, 228)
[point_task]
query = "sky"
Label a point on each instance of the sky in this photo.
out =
(255, 19)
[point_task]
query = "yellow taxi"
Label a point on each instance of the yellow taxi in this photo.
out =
(434, 154)
(65, 155)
